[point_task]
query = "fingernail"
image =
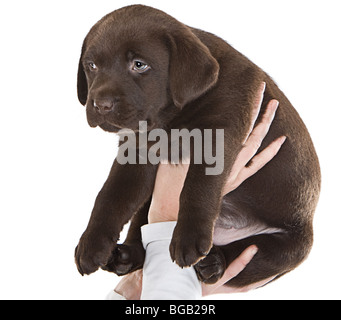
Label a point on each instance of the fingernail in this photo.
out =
(283, 139)
(254, 250)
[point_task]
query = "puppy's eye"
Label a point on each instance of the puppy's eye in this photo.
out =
(92, 66)
(140, 66)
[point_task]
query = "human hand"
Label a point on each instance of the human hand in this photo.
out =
(232, 271)
(130, 286)
(247, 163)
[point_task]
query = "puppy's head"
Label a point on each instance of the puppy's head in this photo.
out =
(136, 62)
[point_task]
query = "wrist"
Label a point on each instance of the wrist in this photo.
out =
(163, 211)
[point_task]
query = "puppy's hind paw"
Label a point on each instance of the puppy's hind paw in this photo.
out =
(212, 268)
(125, 259)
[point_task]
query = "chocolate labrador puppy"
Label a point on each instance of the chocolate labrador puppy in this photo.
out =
(140, 64)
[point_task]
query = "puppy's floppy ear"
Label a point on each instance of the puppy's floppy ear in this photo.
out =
(82, 84)
(193, 70)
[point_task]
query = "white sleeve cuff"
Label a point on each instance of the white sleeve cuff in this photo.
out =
(157, 232)
(162, 278)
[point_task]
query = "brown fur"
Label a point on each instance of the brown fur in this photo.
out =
(198, 81)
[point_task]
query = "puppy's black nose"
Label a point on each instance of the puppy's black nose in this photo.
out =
(104, 106)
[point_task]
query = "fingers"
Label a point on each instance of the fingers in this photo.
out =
(240, 172)
(256, 108)
(238, 265)
(260, 160)
(256, 137)
(235, 268)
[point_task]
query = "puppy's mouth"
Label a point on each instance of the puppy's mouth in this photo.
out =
(96, 120)
(116, 128)
(116, 123)
(109, 127)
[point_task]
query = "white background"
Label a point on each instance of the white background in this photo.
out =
(53, 164)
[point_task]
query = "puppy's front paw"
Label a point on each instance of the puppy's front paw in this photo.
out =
(126, 259)
(212, 268)
(189, 246)
(93, 251)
